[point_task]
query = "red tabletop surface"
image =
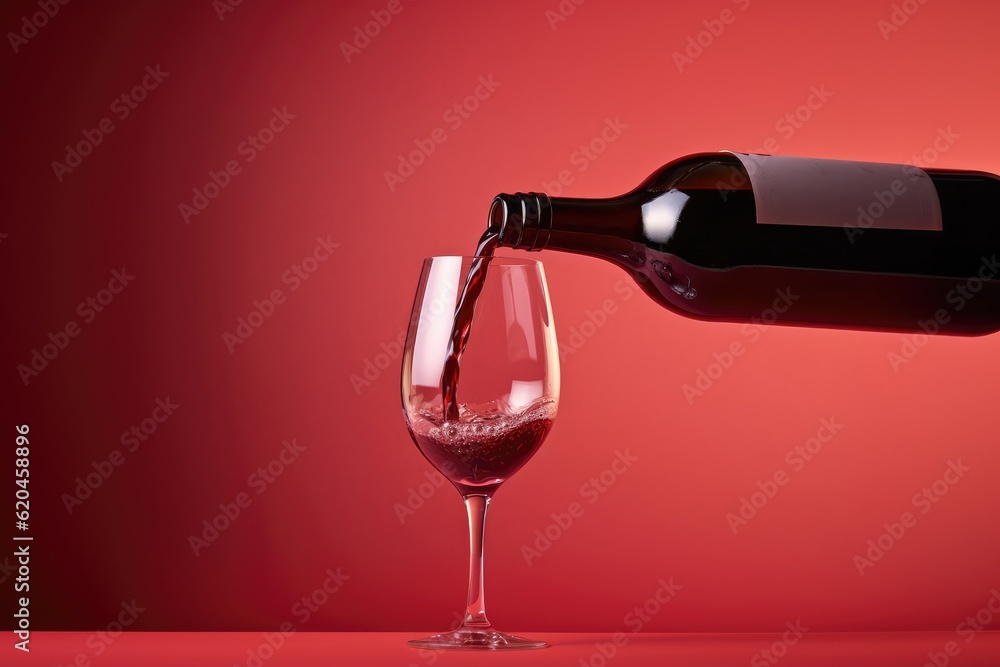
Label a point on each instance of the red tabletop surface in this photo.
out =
(252, 649)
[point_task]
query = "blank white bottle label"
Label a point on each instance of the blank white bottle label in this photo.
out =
(837, 193)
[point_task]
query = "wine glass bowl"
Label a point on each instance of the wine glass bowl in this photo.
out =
(480, 391)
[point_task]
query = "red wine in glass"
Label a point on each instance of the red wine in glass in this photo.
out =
(479, 451)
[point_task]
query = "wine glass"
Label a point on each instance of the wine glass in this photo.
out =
(505, 397)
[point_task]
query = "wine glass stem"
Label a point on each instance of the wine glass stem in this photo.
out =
(475, 613)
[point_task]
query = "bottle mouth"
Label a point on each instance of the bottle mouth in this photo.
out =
(522, 221)
(498, 214)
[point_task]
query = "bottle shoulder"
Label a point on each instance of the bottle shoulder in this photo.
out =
(695, 170)
(968, 177)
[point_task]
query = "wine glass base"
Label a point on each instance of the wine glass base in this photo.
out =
(476, 639)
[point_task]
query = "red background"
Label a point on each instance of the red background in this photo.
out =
(324, 176)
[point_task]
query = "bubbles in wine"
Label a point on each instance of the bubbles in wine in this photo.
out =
(486, 445)
(477, 426)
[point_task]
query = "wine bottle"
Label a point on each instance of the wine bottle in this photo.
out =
(798, 241)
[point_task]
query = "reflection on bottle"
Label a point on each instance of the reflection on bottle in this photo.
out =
(682, 287)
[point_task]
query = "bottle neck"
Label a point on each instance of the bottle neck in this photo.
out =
(534, 221)
(523, 220)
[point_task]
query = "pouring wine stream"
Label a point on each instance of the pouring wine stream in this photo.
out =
(464, 312)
